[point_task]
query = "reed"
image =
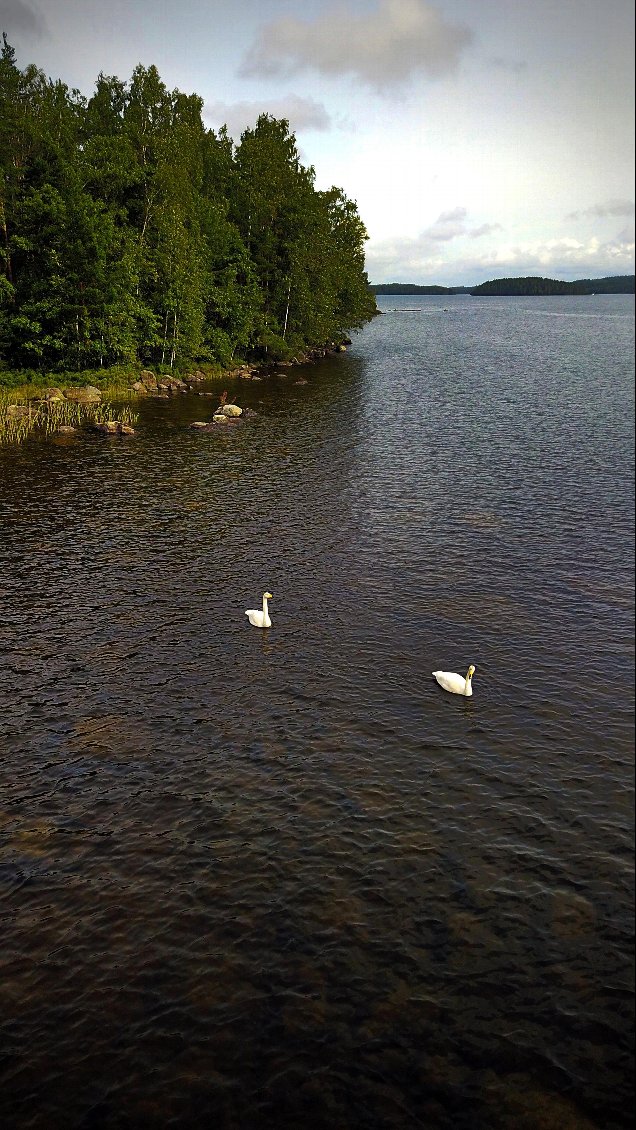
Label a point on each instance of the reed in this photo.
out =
(47, 417)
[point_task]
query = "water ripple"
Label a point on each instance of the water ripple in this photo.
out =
(271, 879)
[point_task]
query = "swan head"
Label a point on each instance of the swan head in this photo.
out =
(268, 596)
(471, 672)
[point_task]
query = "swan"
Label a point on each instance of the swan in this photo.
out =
(456, 684)
(256, 617)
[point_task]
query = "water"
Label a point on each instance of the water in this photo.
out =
(269, 880)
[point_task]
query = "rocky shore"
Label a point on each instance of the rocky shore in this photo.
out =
(64, 411)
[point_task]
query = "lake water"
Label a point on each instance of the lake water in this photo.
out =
(270, 880)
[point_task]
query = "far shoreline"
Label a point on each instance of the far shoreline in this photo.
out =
(525, 286)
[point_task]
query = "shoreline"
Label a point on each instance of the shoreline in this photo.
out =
(79, 400)
(125, 377)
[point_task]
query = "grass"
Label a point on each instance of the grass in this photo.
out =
(23, 388)
(113, 381)
(46, 418)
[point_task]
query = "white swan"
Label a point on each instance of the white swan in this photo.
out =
(455, 683)
(256, 617)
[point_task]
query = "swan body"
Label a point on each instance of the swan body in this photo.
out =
(260, 619)
(456, 684)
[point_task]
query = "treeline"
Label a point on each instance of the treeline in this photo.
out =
(535, 285)
(612, 284)
(412, 288)
(131, 232)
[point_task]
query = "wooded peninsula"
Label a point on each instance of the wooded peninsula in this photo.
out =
(612, 284)
(130, 234)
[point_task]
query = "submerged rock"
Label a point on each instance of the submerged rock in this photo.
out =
(114, 428)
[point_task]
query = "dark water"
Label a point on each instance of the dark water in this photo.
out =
(282, 880)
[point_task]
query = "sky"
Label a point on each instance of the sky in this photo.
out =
(479, 139)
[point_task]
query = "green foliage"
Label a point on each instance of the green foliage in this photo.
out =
(129, 233)
(531, 285)
(612, 284)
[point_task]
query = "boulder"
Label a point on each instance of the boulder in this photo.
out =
(52, 394)
(86, 395)
(199, 424)
(221, 419)
(231, 410)
(148, 378)
(66, 430)
(114, 428)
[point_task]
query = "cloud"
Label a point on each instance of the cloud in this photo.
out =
(16, 16)
(403, 260)
(301, 113)
(484, 229)
(602, 211)
(513, 66)
(448, 225)
(384, 49)
(426, 247)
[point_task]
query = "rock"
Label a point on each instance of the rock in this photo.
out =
(231, 410)
(52, 394)
(147, 378)
(16, 410)
(114, 428)
(139, 386)
(221, 419)
(86, 395)
(66, 430)
(302, 381)
(341, 349)
(199, 424)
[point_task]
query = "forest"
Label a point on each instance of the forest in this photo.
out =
(413, 288)
(534, 285)
(612, 284)
(131, 233)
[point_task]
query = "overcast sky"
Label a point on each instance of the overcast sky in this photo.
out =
(479, 138)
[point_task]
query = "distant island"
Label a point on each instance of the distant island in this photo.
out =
(411, 288)
(613, 284)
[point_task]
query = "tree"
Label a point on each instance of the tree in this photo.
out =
(130, 232)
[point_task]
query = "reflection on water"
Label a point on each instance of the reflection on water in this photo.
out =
(256, 880)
